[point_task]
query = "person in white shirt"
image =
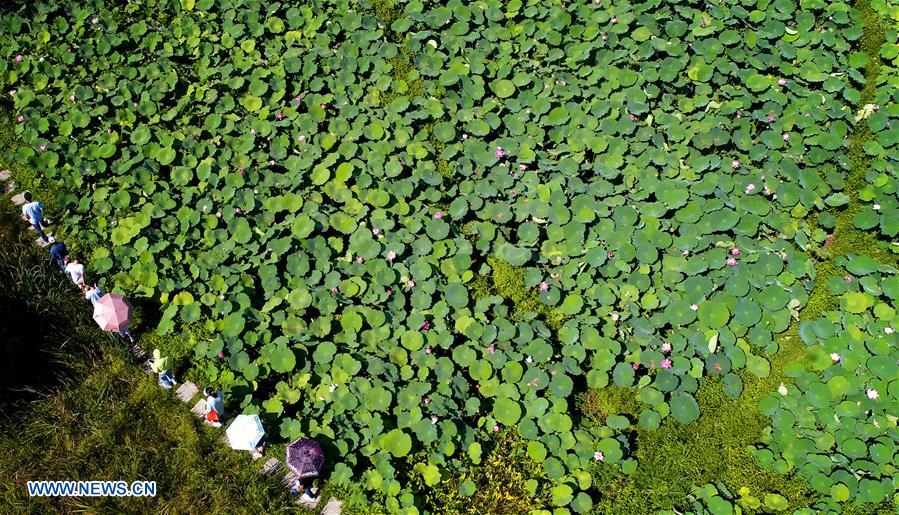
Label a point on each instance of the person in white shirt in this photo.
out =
(76, 270)
(33, 212)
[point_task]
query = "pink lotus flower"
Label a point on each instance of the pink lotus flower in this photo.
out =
(360, 260)
(609, 255)
(465, 136)
(491, 349)
(389, 291)
(42, 174)
(427, 400)
(499, 153)
(847, 278)
(495, 428)
(298, 98)
(301, 138)
(438, 215)
(781, 82)
(598, 455)
(72, 98)
(425, 326)
(872, 393)
(666, 347)
(735, 164)
(218, 215)
(735, 251)
(771, 118)
(666, 363)
(786, 137)
(240, 171)
(750, 187)
(280, 116)
(433, 419)
(21, 118)
(391, 255)
(376, 231)
(605, 38)
(43, 147)
(632, 117)
(614, 20)
(334, 289)
(522, 168)
(544, 286)
(410, 283)
(428, 350)
(237, 210)
(635, 366)
(686, 253)
(69, 50)
(694, 307)
(221, 355)
(19, 58)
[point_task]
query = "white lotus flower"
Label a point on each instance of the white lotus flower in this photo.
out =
(782, 389)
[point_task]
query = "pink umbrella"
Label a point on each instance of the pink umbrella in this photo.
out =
(112, 312)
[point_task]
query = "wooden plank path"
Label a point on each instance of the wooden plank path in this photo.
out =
(188, 391)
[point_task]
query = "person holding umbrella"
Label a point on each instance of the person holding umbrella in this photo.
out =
(246, 434)
(305, 458)
(113, 313)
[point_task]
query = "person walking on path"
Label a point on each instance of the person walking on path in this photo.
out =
(59, 253)
(76, 270)
(92, 293)
(33, 212)
(215, 407)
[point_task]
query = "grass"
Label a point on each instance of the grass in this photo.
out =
(675, 458)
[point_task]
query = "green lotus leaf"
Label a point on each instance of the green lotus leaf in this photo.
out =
(506, 411)
(283, 360)
(515, 256)
(684, 408)
(503, 88)
(396, 442)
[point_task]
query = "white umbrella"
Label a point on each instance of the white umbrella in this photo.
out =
(245, 432)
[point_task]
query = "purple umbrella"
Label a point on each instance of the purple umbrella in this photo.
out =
(305, 458)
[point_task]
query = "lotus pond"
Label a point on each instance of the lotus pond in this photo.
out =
(404, 226)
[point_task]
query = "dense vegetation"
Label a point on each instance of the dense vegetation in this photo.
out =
(92, 414)
(401, 228)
